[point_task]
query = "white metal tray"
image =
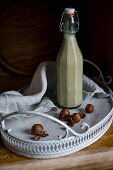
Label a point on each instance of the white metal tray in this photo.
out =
(62, 140)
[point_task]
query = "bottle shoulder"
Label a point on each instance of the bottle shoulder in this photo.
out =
(70, 48)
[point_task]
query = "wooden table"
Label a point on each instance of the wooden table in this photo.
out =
(97, 156)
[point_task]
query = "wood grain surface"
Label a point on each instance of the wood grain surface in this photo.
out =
(97, 156)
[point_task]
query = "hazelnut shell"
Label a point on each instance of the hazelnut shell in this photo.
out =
(61, 117)
(70, 121)
(82, 114)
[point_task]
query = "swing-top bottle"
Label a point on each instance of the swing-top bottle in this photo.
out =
(69, 63)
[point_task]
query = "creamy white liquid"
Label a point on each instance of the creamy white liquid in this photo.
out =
(69, 73)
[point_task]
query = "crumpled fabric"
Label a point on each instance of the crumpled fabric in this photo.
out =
(41, 93)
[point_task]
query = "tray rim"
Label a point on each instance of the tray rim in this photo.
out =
(86, 138)
(66, 152)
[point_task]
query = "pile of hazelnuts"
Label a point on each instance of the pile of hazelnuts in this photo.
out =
(65, 116)
(70, 120)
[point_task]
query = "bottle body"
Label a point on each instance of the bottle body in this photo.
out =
(69, 73)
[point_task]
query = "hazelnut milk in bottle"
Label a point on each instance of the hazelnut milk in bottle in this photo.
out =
(69, 63)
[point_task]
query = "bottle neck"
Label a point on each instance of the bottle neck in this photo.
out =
(69, 24)
(68, 35)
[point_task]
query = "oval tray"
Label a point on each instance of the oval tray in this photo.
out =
(62, 140)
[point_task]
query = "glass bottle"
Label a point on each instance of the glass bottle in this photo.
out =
(69, 63)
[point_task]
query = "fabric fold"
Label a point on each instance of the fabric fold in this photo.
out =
(41, 92)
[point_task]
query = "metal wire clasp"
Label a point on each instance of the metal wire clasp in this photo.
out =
(62, 23)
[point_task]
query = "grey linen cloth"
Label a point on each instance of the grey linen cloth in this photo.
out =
(41, 93)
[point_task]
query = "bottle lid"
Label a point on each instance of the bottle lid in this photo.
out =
(69, 21)
(69, 10)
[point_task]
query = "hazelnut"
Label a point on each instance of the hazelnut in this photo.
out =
(82, 114)
(76, 117)
(37, 129)
(61, 117)
(89, 108)
(64, 113)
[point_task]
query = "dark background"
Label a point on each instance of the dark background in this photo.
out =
(29, 34)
